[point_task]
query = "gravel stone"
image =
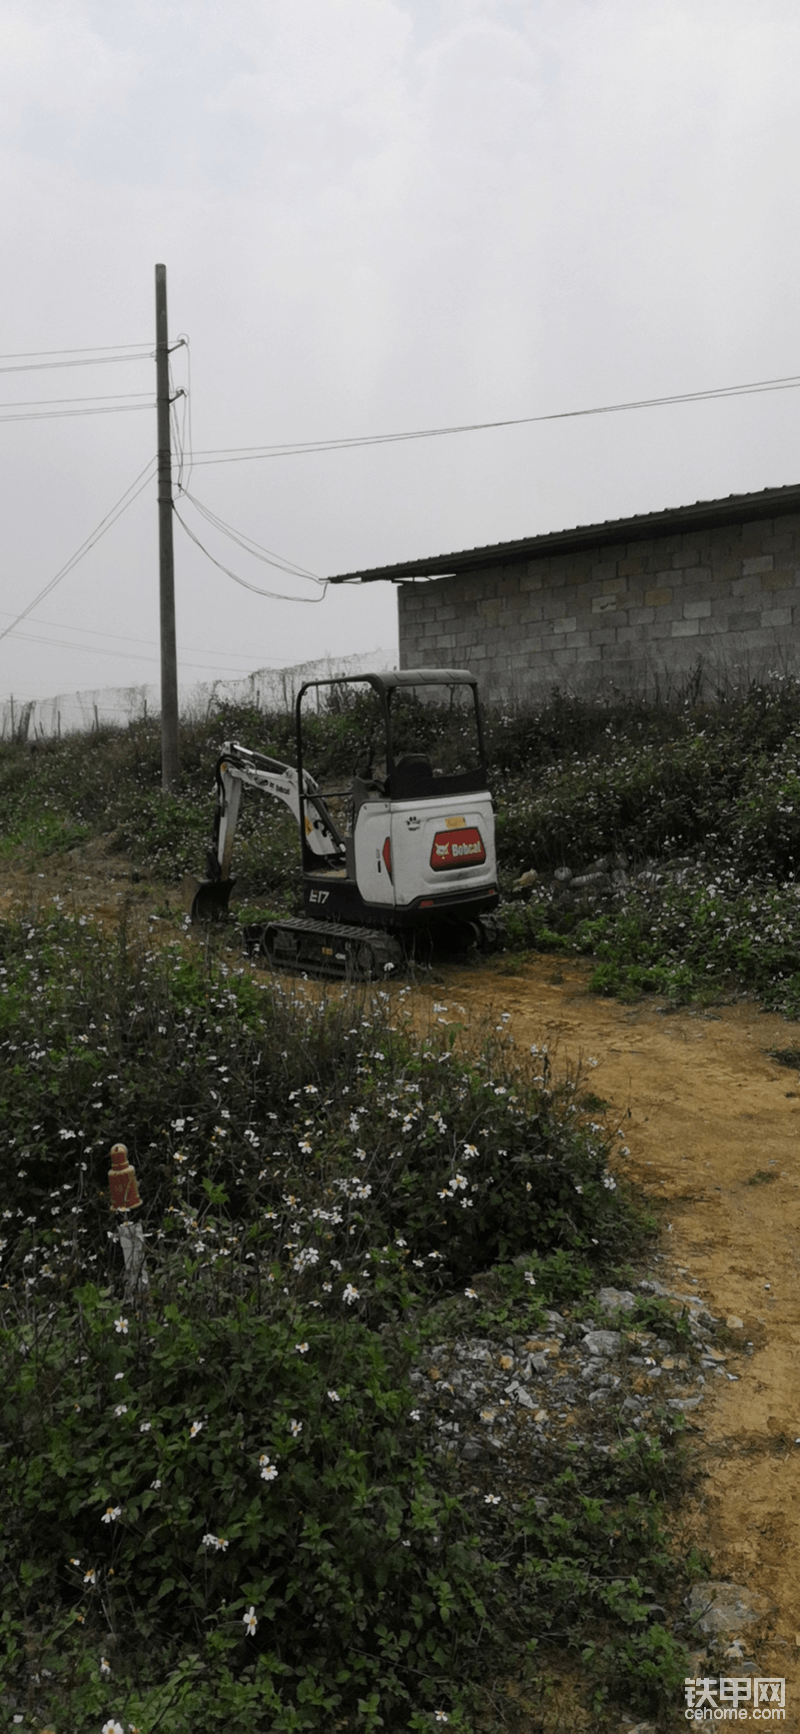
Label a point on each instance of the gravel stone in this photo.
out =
(602, 1342)
(718, 1608)
(502, 1402)
(616, 1300)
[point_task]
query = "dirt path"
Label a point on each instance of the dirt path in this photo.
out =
(707, 1117)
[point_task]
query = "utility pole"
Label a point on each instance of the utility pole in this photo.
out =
(170, 764)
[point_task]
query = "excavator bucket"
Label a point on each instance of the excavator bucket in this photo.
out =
(206, 899)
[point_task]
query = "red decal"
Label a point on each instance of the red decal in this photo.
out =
(387, 856)
(457, 849)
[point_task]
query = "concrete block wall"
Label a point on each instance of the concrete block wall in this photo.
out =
(636, 613)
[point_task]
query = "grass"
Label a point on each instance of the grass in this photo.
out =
(704, 795)
(326, 1194)
(786, 1057)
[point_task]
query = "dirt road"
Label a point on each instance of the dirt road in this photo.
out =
(712, 1125)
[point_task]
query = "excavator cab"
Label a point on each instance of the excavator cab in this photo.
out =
(415, 824)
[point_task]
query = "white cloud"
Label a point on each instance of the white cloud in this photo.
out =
(56, 71)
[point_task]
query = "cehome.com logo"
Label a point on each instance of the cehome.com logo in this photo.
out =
(728, 1699)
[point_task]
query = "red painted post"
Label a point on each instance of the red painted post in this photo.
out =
(122, 1180)
(124, 1194)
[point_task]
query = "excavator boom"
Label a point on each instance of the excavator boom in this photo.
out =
(239, 768)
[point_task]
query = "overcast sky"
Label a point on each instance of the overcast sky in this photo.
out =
(379, 215)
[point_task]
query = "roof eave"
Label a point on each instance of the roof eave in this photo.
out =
(682, 520)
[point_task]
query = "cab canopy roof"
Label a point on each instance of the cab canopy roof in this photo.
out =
(393, 677)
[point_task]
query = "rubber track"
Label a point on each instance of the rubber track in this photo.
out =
(340, 936)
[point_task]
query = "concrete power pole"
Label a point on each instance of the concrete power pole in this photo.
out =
(170, 763)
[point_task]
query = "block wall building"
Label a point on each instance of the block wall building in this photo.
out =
(640, 601)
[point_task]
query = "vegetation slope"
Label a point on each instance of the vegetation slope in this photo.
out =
(217, 1507)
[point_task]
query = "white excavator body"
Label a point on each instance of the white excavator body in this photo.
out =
(404, 849)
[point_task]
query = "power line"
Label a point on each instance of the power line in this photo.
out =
(62, 414)
(131, 493)
(93, 397)
(273, 595)
(177, 425)
(89, 361)
(131, 656)
(267, 555)
(220, 671)
(93, 349)
(300, 448)
(183, 339)
(99, 649)
(240, 454)
(87, 649)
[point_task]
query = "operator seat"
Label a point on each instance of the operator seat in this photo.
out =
(412, 775)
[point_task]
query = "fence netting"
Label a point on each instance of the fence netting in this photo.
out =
(268, 689)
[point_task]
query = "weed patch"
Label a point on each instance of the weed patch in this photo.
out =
(217, 1505)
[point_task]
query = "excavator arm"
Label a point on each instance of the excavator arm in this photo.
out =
(239, 768)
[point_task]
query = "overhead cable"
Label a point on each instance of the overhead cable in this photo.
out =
(177, 423)
(86, 361)
(133, 655)
(184, 340)
(61, 414)
(131, 493)
(267, 555)
(94, 397)
(301, 448)
(273, 595)
(93, 349)
(119, 637)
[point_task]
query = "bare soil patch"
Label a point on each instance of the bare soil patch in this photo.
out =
(712, 1125)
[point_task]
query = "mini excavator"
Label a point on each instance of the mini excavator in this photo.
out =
(401, 857)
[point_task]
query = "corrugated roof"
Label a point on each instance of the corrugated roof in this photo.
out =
(704, 514)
